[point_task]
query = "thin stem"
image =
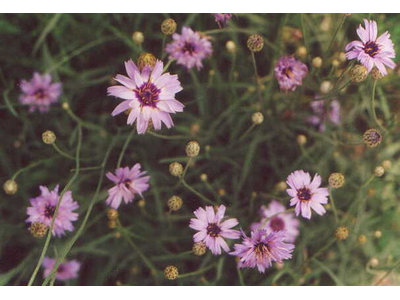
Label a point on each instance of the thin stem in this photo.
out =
(373, 112)
(83, 123)
(196, 192)
(186, 168)
(326, 246)
(335, 213)
(336, 32)
(388, 273)
(167, 137)
(121, 155)
(163, 46)
(168, 64)
(200, 271)
(62, 152)
(241, 279)
(247, 132)
(253, 58)
(29, 167)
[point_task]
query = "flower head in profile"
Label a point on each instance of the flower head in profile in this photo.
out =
(262, 248)
(44, 206)
(273, 219)
(39, 93)
(222, 19)
(306, 194)
(290, 73)
(149, 94)
(212, 230)
(189, 48)
(372, 50)
(128, 183)
(321, 116)
(66, 270)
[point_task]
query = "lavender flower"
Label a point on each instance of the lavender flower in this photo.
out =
(290, 73)
(261, 249)
(212, 230)
(279, 221)
(222, 19)
(321, 116)
(189, 48)
(66, 270)
(39, 93)
(44, 206)
(149, 94)
(306, 194)
(128, 183)
(372, 50)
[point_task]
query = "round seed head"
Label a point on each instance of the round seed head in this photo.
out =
(199, 248)
(358, 73)
(48, 137)
(174, 203)
(341, 233)
(255, 43)
(192, 149)
(372, 138)
(38, 230)
(10, 187)
(168, 26)
(336, 180)
(171, 272)
(176, 169)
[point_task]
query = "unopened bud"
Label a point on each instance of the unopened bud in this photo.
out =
(336, 180)
(341, 233)
(112, 214)
(38, 230)
(257, 118)
(146, 59)
(192, 149)
(317, 62)
(48, 137)
(379, 171)
(171, 272)
(174, 203)
(230, 46)
(301, 139)
(358, 73)
(199, 248)
(10, 187)
(168, 26)
(138, 37)
(255, 43)
(372, 138)
(176, 169)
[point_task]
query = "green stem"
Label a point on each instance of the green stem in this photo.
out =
(388, 273)
(29, 167)
(253, 58)
(201, 196)
(335, 213)
(247, 132)
(186, 168)
(373, 112)
(335, 34)
(62, 152)
(167, 137)
(200, 271)
(121, 155)
(167, 65)
(241, 279)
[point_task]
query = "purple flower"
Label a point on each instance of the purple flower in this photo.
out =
(279, 221)
(221, 19)
(39, 93)
(66, 270)
(128, 183)
(149, 93)
(306, 194)
(290, 73)
(320, 116)
(189, 48)
(44, 206)
(262, 248)
(372, 50)
(212, 230)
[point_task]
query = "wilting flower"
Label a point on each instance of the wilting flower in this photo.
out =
(39, 93)
(66, 270)
(44, 206)
(306, 194)
(212, 230)
(372, 50)
(290, 73)
(128, 183)
(321, 116)
(149, 94)
(189, 48)
(262, 248)
(273, 219)
(221, 19)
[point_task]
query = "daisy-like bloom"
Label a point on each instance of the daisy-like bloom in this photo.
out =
(221, 19)
(189, 48)
(66, 270)
(262, 248)
(279, 221)
(306, 194)
(149, 94)
(290, 73)
(321, 116)
(372, 50)
(212, 230)
(44, 206)
(128, 183)
(39, 93)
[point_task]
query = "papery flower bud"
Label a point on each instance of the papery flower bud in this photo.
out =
(358, 73)
(192, 149)
(341, 233)
(317, 62)
(141, 203)
(301, 139)
(379, 171)
(386, 164)
(112, 214)
(203, 177)
(174, 203)
(230, 46)
(255, 43)
(176, 169)
(38, 230)
(281, 186)
(146, 59)
(171, 272)
(335, 63)
(378, 234)
(49, 137)
(168, 26)
(257, 118)
(301, 51)
(65, 105)
(374, 262)
(376, 74)
(372, 138)
(362, 239)
(336, 180)
(326, 87)
(138, 37)
(199, 248)
(10, 187)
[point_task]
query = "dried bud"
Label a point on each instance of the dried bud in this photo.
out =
(386, 164)
(138, 37)
(174, 203)
(362, 239)
(230, 46)
(342, 57)
(168, 26)
(341, 233)
(199, 248)
(38, 230)
(301, 139)
(281, 186)
(141, 203)
(379, 171)
(112, 224)
(255, 43)
(335, 63)
(317, 62)
(65, 105)
(10, 187)
(378, 234)
(302, 51)
(376, 74)
(203, 177)
(176, 169)
(112, 214)
(374, 262)
(326, 87)
(336, 180)
(358, 73)
(257, 118)
(192, 149)
(372, 138)
(146, 59)
(171, 272)
(48, 137)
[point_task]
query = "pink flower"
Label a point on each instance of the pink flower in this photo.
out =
(149, 93)
(128, 183)
(189, 48)
(290, 73)
(279, 221)
(261, 249)
(321, 116)
(39, 93)
(212, 230)
(222, 19)
(66, 270)
(372, 50)
(44, 206)
(306, 194)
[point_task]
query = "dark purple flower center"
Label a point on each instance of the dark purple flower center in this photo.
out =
(371, 48)
(277, 224)
(213, 230)
(288, 72)
(61, 269)
(147, 94)
(49, 211)
(304, 194)
(39, 94)
(188, 47)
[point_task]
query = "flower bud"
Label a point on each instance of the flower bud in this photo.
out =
(138, 37)
(374, 262)
(65, 105)
(176, 169)
(10, 187)
(358, 73)
(257, 118)
(141, 203)
(386, 164)
(372, 138)
(335, 63)
(326, 87)
(112, 214)
(146, 59)
(378, 234)
(362, 239)
(192, 149)
(341, 233)
(301, 139)
(230, 46)
(38, 230)
(336, 180)
(255, 43)
(379, 171)
(302, 51)
(281, 186)
(199, 248)
(376, 74)
(112, 224)
(221, 192)
(203, 177)
(171, 272)
(48, 137)
(174, 203)
(168, 26)
(317, 62)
